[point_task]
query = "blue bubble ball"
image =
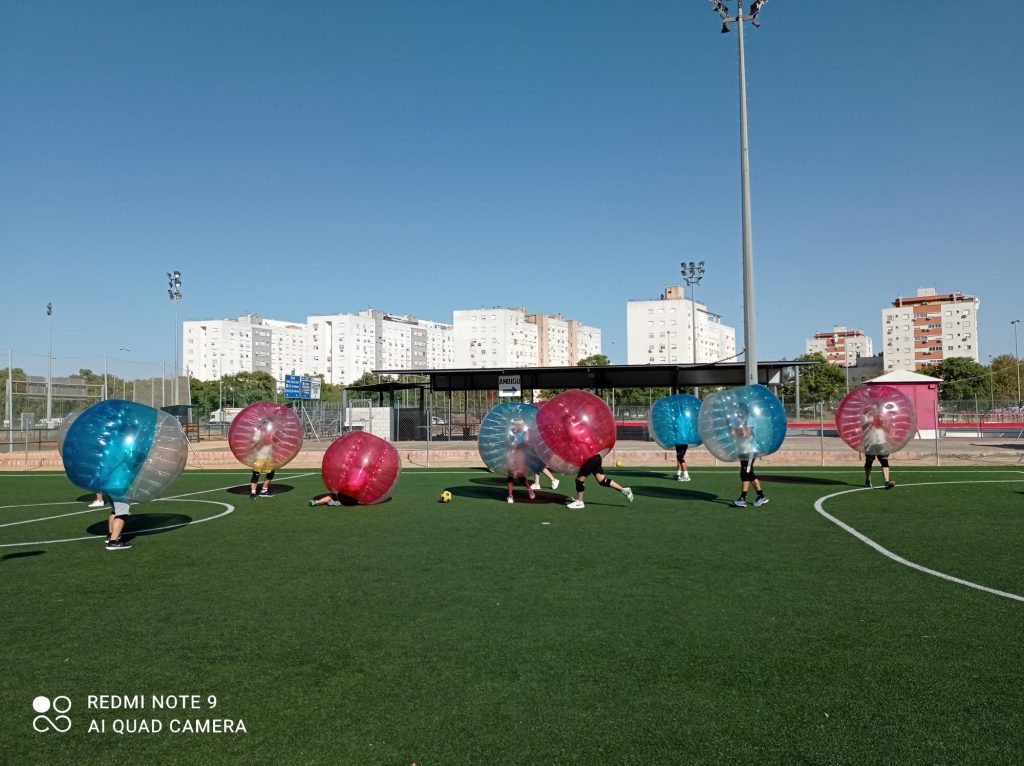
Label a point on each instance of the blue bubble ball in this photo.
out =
(673, 420)
(508, 439)
(127, 451)
(742, 423)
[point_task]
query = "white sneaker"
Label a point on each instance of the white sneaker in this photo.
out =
(684, 477)
(509, 499)
(575, 504)
(554, 484)
(628, 493)
(97, 504)
(679, 475)
(535, 485)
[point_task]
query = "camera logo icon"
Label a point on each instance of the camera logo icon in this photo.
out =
(60, 722)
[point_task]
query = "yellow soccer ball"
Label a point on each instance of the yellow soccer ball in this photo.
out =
(446, 497)
(618, 464)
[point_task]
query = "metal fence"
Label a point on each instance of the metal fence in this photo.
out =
(442, 418)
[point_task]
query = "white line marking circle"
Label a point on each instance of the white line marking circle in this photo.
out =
(227, 506)
(819, 507)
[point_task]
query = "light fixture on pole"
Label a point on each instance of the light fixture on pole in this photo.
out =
(749, 329)
(49, 368)
(174, 293)
(1016, 358)
(693, 273)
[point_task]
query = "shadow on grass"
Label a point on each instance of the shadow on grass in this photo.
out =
(276, 489)
(674, 493)
(782, 479)
(144, 524)
(22, 555)
(495, 490)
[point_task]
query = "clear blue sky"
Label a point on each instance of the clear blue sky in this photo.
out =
(421, 157)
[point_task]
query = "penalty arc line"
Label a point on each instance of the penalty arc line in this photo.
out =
(230, 509)
(819, 507)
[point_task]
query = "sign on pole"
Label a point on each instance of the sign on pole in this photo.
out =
(509, 385)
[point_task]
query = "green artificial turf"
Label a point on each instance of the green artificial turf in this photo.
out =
(676, 629)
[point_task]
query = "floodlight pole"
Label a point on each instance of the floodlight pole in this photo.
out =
(749, 314)
(174, 293)
(49, 368)
(693, 273)
(1016, 358)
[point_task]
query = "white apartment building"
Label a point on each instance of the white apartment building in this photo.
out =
(217, 347)
(509, 337)
(496, 337)
(925, 329)
(563, 342)
(344, 347)
(662, 331)
(840, 346)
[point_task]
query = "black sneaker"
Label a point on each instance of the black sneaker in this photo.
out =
(118, 545)
(266, 493)
(252, 496)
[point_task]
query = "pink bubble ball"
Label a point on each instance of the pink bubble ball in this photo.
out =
(876, 420)
(362, 467)
(265, 436)
(573, 427)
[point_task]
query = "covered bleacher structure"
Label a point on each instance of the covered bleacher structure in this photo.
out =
(450, 403)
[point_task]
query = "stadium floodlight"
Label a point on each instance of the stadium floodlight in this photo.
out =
(174, 293)
(749, 330)
(49, 369)
(693, 273)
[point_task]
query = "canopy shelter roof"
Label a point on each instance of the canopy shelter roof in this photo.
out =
(675, 376)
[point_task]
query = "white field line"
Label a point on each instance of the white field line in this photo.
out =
(179, 498)
(230, 508)
(819, 507)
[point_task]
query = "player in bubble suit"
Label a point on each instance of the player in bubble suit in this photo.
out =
(875, 444)
(517, 468)
(743, 433)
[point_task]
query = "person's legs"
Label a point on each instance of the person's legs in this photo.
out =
(253, 483)
(682, 474)
(604, 481)
(551, 478)
(884, 462)
(511, 483)
(265, 492)
(115, 526)
(580, 485)
(868, 461)
(529, 489)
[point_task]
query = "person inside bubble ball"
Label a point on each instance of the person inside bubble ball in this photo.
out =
(547, 472)
(876, 444)
(594, 467)
(263, 463)
(682, 474)
(743, 433)
(519, 435)
(115, 527)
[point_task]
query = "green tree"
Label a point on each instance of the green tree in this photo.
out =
(962, 378)
(1004, 377)
(822, 382)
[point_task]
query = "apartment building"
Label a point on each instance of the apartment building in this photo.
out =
(676, 330)
(925, 329)
(840, 346)
(217, 347)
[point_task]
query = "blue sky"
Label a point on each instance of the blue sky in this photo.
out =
(421, 157)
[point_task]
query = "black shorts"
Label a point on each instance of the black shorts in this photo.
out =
(592, 466)
(681, 453)
(883, 460)
(747, 470)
